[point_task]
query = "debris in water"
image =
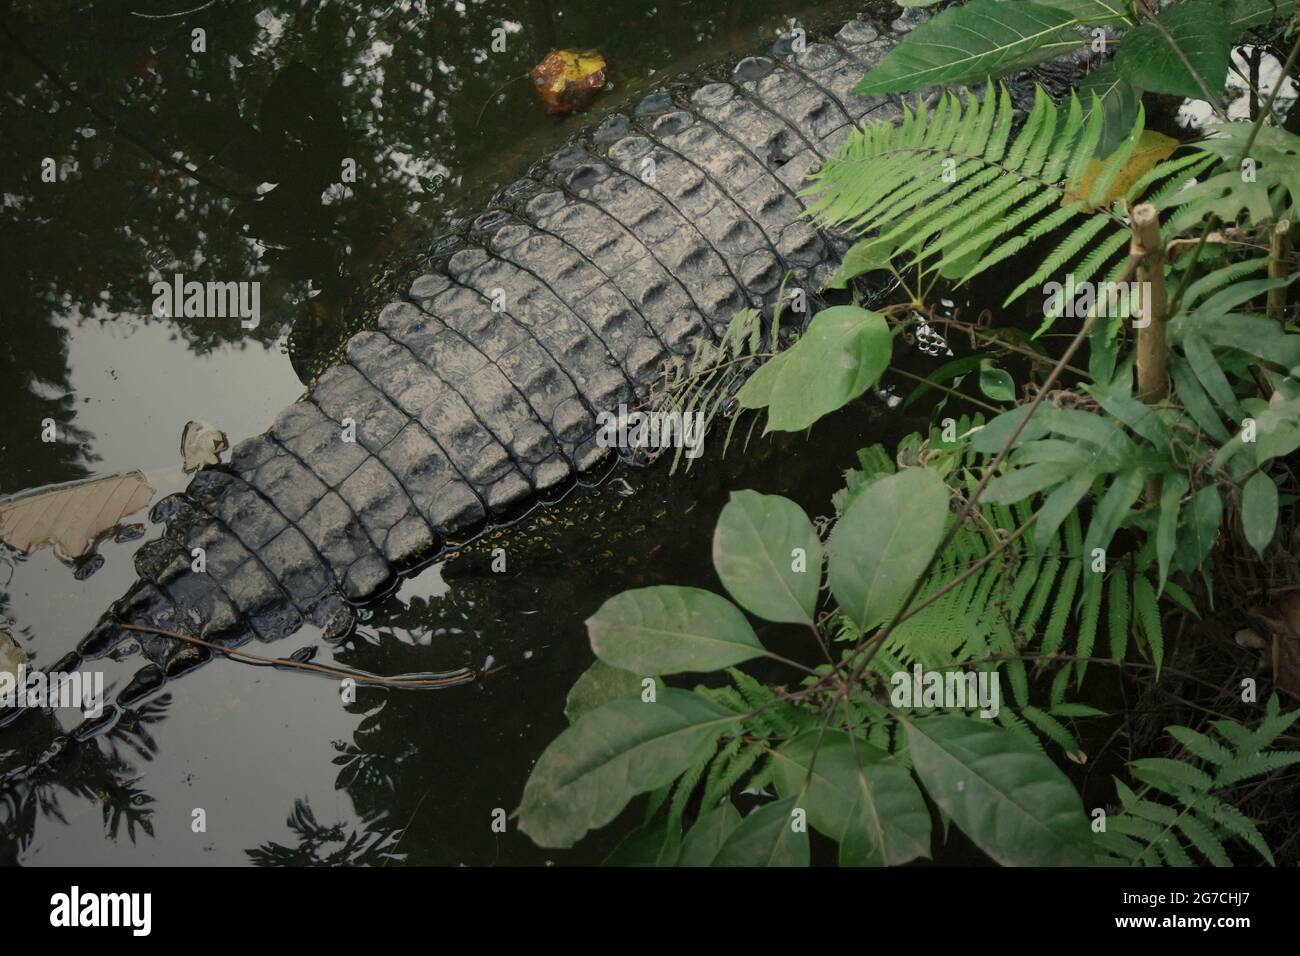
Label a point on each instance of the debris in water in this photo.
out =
(201, 446)
(566, 80)
(71, 518)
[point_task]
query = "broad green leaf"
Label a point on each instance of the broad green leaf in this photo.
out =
(968, 43)
(1277, 430)
(1199, 28)
(996, 383)
(667, 630)
(868, 255)
(1113, 509)
(648, 845)
(757, 390)
(1203, 527)
(884, 541)
(1141, 418)
(1018, 484)
(1172, 489)
(862, 799)
(590, 772)
(766, 838)
(842, 354)
(945, 372)
(1244, 15)
(1092, 12)
(706, 837)
(598, 685)
(1058, 506)
(758, 544)
(1118, 101)
(1259, 511)
(1012, 801)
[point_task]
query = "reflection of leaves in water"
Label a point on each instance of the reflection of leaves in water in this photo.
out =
(131, 729)
(124, 802)
(373, 846)
(95, 773)
(366, 769)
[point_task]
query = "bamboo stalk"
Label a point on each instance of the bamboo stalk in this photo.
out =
(1146, 248)
(1152, 348)
(1279, 251)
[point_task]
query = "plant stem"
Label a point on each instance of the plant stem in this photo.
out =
(1279, 250)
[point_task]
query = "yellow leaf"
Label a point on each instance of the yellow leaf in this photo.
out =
(71, 518)
(1151, 148)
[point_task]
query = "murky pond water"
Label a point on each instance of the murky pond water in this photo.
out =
(109, 100)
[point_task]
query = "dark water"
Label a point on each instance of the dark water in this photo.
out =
(115, 94)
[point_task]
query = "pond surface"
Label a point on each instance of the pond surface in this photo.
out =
(117, 98)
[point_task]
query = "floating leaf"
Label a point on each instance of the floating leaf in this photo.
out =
(566, 80)
(1151, 148)
(667, 630)
(591, 771)
(769, 557)
(884, 541)
(201, 446)
(72, 517)
(1005, 794)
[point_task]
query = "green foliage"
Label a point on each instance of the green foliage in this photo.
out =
(967, 43)
(842, 354)
(768, 557)
(965, 552)
(1180, 813)
(668, 630)
(1182, 49)
(884, 541)
(1010, 799)
(956, 190)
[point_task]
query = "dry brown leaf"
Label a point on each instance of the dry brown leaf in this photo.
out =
(566, 80)
(1151, 148)
(71, 518)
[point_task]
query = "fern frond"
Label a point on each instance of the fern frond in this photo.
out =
(1195, 816)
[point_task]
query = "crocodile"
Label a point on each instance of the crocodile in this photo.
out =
(476, 394)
